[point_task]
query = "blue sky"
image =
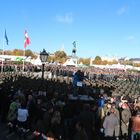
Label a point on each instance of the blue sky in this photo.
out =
(100, 27)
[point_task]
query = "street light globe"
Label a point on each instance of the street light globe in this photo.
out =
(74, 50)
(44, 56)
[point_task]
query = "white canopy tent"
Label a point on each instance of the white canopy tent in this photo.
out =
(69, 62)
(36, 61)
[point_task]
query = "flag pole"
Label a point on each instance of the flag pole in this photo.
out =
(26, 42)
(2, 54)
(23, 59)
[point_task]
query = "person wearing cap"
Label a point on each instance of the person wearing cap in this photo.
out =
(135, 129)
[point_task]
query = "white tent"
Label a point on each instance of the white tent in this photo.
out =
(37, 61)
(118, 66)
(69, 62)
(128, 67)
(137, 68)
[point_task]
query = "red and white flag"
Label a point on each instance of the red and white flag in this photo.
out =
(27, 40)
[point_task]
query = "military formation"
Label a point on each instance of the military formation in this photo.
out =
(36, 108)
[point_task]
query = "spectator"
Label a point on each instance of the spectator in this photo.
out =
(117, 114)
(22, 115)
(80, 132)
(109, 124)
(12, 114)
(56, 124)
(86, 117)
(135, 125)
(31, 106)
(125, 119)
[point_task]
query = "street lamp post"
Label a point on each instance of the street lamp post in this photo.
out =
(43, 57)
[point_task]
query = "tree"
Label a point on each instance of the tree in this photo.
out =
(17, 52)
(85, 61)
(60, 54)
(29, 53)
(7, 52)
(80, 60)
(97, 60)
(105, 62)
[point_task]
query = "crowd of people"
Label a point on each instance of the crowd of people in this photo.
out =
(43, 107)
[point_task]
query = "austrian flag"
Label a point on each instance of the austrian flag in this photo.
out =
(27, 40)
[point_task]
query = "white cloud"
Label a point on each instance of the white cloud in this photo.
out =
(122, 10)
(66, 18)
(131, 38)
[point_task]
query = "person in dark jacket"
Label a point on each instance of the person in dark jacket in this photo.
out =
(125, 120)
(81, 133)
(31, 106)
(86, 117)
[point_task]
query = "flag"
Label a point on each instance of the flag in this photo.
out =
(6, 38)
(27, 40)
